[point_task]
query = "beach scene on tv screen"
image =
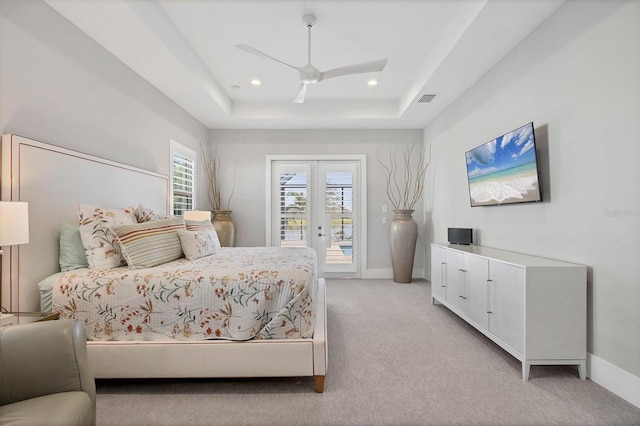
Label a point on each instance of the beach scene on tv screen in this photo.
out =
(504, 170)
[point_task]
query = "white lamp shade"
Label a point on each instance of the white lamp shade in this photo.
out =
(14, 223)
(197, 215)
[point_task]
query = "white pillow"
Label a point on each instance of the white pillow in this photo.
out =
(98, 239)
(196, 244)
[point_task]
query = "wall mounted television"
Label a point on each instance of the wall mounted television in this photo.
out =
(505, 170)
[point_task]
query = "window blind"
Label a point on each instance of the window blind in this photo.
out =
(183, 184)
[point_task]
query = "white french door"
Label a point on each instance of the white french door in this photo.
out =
(316, 203)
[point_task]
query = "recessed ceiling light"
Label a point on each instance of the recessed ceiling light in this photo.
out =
(256, 82)
(372, 82)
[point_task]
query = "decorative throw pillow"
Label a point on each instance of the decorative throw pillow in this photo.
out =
(199, 225)
(196, 244)
(151, 243)
(145, 214)
(97, 238)
(72, 254)
(203, 225)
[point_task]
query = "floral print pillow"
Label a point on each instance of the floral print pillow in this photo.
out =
(145, 214)
(196, 244)
(98, 240)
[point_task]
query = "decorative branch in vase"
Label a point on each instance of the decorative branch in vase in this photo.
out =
(403, 194)
(225, 228)
(211, 164)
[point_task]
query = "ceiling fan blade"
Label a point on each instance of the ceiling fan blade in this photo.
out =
(256, 52)
(372, 66)
(302, 93)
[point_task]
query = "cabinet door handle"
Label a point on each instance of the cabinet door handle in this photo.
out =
(444, 274)
(466, 284)
(489, 297)
(463, 286)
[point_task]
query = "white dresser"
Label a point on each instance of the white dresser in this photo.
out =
(534, 308)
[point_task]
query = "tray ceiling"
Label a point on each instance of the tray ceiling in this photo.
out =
(186, 49)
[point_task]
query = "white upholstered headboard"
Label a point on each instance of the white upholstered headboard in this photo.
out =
(52, 179)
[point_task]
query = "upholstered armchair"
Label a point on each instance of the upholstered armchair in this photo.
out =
(44, 375)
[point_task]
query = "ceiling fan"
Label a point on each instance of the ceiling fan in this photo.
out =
(310, 74)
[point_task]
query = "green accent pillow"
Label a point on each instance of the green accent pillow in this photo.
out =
(72, 254)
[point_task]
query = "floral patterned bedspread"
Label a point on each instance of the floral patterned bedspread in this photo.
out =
(235, 294)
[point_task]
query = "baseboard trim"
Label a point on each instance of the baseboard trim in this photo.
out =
(387, 273)
(614, 379)
(379, 274)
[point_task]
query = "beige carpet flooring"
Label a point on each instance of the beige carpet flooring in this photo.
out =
(393, 359)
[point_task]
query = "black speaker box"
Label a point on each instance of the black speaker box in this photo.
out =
(460, 235)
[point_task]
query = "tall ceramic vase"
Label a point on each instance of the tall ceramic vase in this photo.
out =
(404, 235)
(225, 228)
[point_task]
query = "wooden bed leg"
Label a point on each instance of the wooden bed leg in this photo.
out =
(319, 383)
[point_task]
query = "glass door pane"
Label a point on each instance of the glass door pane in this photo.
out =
(338, 205)
(338, 180)
(292, 206)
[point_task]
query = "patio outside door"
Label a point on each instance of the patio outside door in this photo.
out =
(315, 203)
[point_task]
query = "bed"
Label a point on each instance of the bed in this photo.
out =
(52, 179)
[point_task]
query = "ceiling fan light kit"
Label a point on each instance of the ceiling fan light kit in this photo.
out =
(309, 74)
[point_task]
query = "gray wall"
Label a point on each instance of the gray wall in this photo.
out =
(577, 79)
(59, 86)
(249, 201)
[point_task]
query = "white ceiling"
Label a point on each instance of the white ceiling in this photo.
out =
(186, 48)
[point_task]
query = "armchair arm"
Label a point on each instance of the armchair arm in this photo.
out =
(44, 358)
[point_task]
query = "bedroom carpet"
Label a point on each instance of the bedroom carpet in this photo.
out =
(393, 359)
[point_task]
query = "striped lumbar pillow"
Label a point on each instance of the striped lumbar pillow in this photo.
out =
(151, 243)
(199, 225)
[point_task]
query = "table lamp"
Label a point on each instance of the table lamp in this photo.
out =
(198, 215)
(14, 225)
